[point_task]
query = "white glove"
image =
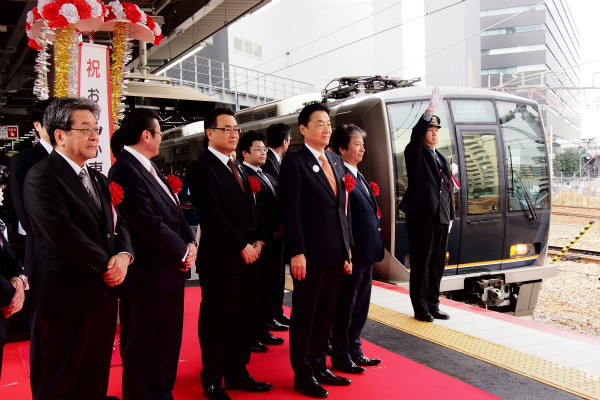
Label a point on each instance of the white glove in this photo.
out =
(436, 98)
(454, 169)
(450, 227)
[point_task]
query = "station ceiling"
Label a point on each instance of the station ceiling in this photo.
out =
(185, 23)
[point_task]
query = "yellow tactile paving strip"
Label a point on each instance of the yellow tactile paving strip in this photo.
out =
(550, 373)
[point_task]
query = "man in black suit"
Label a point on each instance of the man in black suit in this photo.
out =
(355, 296)
(82, 251)
(230, 243)
(318, 237)
(278, 140)
(19, 165)
(429, 207)
(12, 286)
(270, 281)
(164, 246)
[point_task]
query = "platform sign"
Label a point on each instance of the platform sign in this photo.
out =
(94, 84)
(9, 132)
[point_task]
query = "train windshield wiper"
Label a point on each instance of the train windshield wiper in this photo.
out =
(532, 214)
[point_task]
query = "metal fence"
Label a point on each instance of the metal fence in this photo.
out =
(572, 191)
(219, 78)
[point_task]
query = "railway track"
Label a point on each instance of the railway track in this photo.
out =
(576, 254)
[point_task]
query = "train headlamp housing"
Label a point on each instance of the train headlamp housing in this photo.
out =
(522, 249)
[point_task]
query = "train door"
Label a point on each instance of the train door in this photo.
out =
(482, 205)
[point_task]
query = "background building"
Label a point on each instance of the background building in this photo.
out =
(533, 50)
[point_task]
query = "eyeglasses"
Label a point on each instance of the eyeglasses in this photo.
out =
(155, 132)
(229, 130)
(259, 149)
(88, 131)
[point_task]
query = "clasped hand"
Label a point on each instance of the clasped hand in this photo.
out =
(116, 269)
(17, 301)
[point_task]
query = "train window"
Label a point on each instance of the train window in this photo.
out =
(403, 116)
(473, 111)
(481, 163)
(526, 161)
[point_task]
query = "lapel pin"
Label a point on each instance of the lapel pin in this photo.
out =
(316, 168)
(335, 164)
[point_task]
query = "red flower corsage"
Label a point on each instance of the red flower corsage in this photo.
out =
(349, 182)
(174, 183)
(116, 193)
(254, 184)
(374, 188)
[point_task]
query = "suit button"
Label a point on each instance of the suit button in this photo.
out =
(442, 179)
(440, 170)
(440, 192)
(108, 235)
(379, 229)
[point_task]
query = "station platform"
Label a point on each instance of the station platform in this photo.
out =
(477, 354)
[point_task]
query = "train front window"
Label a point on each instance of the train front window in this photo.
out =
(481, 164)
(403, 116)
(526, 160)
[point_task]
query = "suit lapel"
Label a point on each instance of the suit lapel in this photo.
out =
(173, 200)
(103, 195)
(312, 162)
(72, 181)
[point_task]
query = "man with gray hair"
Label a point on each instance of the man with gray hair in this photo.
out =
(82, 248)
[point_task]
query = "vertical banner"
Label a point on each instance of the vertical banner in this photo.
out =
(94, 84)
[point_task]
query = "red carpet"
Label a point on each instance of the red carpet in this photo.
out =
(395, 378)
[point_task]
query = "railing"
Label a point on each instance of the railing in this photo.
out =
(216, 77)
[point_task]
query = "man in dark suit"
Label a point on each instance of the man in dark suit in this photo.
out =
(12, 287)
(317, 238)
(270, 281)
(164, 247)
(355, 296)
(82, 251)
(278, 140)
(230, 243)
(429, 207)
(19, 165)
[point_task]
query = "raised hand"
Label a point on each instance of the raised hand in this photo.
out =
(436, 99)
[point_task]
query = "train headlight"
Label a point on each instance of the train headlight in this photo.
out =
(522, 249)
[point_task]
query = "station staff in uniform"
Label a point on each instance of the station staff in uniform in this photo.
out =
(429, 207)
(318, 237)
(82, 252)
(165, 249)
(355, 296)
(231, 242)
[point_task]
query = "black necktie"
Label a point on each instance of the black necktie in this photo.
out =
(266, 179)
(437, 157)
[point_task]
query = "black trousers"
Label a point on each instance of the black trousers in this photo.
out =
(151, 353)
(269, 285)
(351, 314)
(226, 321)
(313, 308)
(428, 241)
(76, 349)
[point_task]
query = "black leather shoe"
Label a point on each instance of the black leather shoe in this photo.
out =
(246, 383)
(366, 361)
(215, 392)
(310, 387)
(258, 347)
(329, 378)
(348, 367)
(283, 320)
(437, 314)
(276, 326)
(424, 317)
(270, 339)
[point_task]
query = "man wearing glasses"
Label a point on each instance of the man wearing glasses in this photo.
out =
(254, 152)
(82, 252)
(230, 244)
